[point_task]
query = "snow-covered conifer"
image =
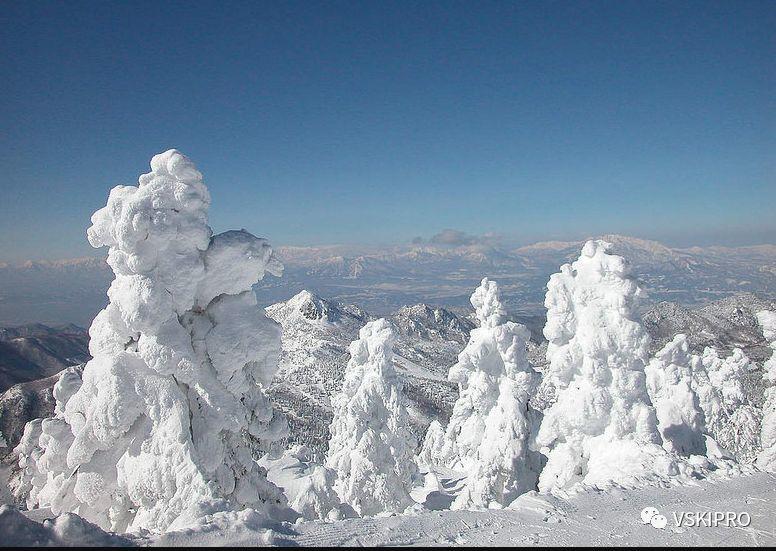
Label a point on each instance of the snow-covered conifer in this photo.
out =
(477, 384)
(679, 414)
(725, 375)
(490, 428)
(159, 427)
(718, 383)
(316, 497)
(602, 428)
(433, 443)
(709, 397)
(766, 460)
(371, 447)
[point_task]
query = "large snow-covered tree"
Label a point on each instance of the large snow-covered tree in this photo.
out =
(490, 428)
(766, 460)
(669, 383)
(602, 428)
(160, 427)
(371, 447)
(478, 383)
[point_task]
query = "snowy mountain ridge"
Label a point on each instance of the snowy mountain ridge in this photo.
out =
(384, 278)
(317, 332)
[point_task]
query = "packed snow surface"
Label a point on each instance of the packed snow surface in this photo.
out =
(590, 518)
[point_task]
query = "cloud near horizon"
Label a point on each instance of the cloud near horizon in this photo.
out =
(455, 238)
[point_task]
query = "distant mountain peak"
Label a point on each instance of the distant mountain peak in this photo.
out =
(308, 307)
(431, 322)
(313, 307)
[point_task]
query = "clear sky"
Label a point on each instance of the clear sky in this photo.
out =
(374, 122)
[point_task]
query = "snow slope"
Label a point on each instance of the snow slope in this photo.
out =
(36, 351)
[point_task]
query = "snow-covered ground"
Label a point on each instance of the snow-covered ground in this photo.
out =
(594, 518)
(590, 518)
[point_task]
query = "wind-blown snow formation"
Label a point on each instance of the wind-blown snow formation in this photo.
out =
(490, 428)
(371, 448)
(160, 427)
(669, 382)
(602, 427)
(767, 458)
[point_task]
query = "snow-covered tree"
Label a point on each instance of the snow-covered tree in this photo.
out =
(732, 421)
(159, 428)
(679, 414)
(317, 499)
(29, 452)
(709, 396)
(433, 443)
(602, 428)
(477, 385)
(490, 428)
(725, 374)
(767, 458)
(371, 447)
(740, 436)
(44, 445)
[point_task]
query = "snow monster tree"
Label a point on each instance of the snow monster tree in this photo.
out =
(160, 427)
(681, 420)
(602, 428)
(490, 429)
(371, 447)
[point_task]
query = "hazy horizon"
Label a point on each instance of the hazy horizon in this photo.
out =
(498, 242)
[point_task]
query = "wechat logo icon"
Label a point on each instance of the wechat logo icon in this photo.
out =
(650, 515)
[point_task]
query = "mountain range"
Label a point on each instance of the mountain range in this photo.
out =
(385, 279)
(382, 279)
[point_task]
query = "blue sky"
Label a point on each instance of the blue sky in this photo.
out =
(374, 122)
